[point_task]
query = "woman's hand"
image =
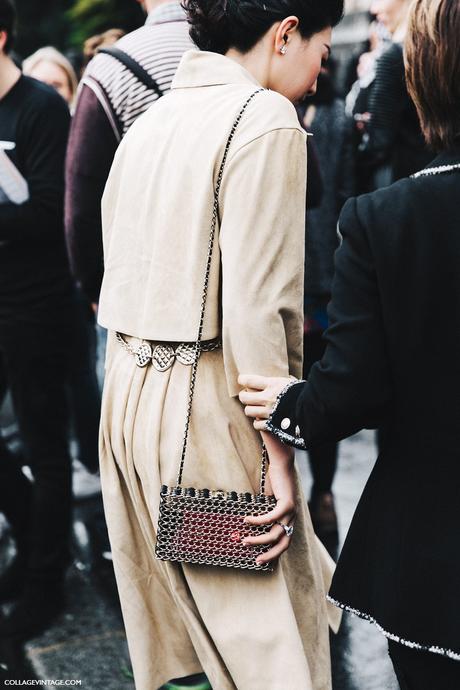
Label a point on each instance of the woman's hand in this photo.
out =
(260, 396)
(281, 476)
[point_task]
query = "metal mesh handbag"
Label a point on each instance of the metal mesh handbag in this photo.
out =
(206, 526)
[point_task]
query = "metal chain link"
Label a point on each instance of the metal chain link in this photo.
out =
(204, 298)
(126, 346)
(163, 354)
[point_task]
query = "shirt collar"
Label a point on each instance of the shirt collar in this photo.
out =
(202, 68)
(167, 12)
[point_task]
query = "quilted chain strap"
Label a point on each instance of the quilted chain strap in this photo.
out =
(215, 214)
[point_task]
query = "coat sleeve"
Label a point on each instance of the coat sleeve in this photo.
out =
(262, 251)
(351, 387)
(91, 149)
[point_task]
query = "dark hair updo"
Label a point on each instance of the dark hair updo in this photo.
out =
(7, 22)
(218, 25)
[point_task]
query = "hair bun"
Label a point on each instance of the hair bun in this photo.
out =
(209, 26)
(217, 25)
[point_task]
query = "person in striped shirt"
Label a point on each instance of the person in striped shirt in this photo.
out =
(115, 89)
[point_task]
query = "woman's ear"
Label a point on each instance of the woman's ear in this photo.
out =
(3, 40)
(284, 33)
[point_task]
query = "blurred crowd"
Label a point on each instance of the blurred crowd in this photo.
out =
(364, 135)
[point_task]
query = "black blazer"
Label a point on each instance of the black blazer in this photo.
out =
(393, 360)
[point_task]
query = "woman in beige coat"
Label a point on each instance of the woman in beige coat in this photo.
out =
(246, 630)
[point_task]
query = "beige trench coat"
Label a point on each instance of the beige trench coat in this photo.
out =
(249, 631)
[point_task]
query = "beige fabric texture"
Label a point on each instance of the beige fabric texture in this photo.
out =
(249, 631)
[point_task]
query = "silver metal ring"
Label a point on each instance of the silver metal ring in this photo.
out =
(289, 529)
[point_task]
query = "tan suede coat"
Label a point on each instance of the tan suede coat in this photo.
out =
(249, 631)
(156, 217)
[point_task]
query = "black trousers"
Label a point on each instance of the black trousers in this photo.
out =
(84, 391)
(35, 359)
(323, 459)
(417, 670)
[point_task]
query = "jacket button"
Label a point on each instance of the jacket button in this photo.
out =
(286, 423)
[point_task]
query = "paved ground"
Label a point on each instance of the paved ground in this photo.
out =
(87, 643)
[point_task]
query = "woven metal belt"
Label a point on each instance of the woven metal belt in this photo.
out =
(163, 355)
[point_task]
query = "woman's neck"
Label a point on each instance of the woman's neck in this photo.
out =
(9, 74)
(255, 62)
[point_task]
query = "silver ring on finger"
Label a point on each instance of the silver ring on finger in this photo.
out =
(289, 529)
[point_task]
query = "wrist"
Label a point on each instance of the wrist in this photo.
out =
(286, 461)
(278, 453)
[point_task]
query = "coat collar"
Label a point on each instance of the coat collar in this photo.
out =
(202, 68)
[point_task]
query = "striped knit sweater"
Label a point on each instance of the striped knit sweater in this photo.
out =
(110, 99)
(157, 47)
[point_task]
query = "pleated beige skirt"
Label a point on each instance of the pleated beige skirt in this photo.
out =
(250, 631)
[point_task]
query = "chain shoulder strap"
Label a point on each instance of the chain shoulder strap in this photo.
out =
(215, 214)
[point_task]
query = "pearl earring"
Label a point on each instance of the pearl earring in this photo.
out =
(283, 50)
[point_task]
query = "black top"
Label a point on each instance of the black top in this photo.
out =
(393, 360)
(35, 283)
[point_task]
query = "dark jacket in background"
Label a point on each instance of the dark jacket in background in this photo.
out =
(332, 137)
(314, 176)
(393, 358)
(395, 138)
